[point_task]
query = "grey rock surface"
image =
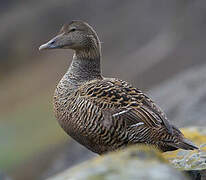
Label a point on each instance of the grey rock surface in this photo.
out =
(140, 162)
(193, 163)
(183, 97)
(71, 154)
(131, 163)
(190, 160)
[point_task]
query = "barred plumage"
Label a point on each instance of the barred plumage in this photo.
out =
(105, 114)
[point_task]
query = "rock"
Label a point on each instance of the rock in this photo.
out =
(135, 162)
(183, 98)
(192, 162)
(70, 154)
(144, 162)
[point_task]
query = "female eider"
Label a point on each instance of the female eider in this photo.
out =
(105, 114)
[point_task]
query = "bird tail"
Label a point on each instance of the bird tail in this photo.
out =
(186, 144)
(181, 141)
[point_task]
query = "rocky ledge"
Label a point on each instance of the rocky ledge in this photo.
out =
(191, 162)
(145, 162)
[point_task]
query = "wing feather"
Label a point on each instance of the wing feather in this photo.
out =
(119, 101)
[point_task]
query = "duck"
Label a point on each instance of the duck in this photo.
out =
(106, 114)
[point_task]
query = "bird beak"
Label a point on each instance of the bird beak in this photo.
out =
(52, 44)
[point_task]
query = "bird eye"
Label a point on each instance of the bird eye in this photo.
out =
(72, 30)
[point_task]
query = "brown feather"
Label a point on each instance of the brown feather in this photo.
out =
(105, 114)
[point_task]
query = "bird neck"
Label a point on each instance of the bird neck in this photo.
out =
(85, 65)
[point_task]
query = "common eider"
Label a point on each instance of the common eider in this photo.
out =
(105, 114)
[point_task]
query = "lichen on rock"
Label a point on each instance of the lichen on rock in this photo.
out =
(190, 160)
(145, 162)
(135, 162)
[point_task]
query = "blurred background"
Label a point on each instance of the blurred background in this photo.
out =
(158, 46)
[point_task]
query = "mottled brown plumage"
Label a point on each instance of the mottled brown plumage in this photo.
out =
(105, 114)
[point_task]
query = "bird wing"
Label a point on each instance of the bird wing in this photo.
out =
(119, 101)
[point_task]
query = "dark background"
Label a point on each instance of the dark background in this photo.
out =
(158, 46)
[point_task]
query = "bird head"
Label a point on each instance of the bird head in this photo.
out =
(77, 35)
